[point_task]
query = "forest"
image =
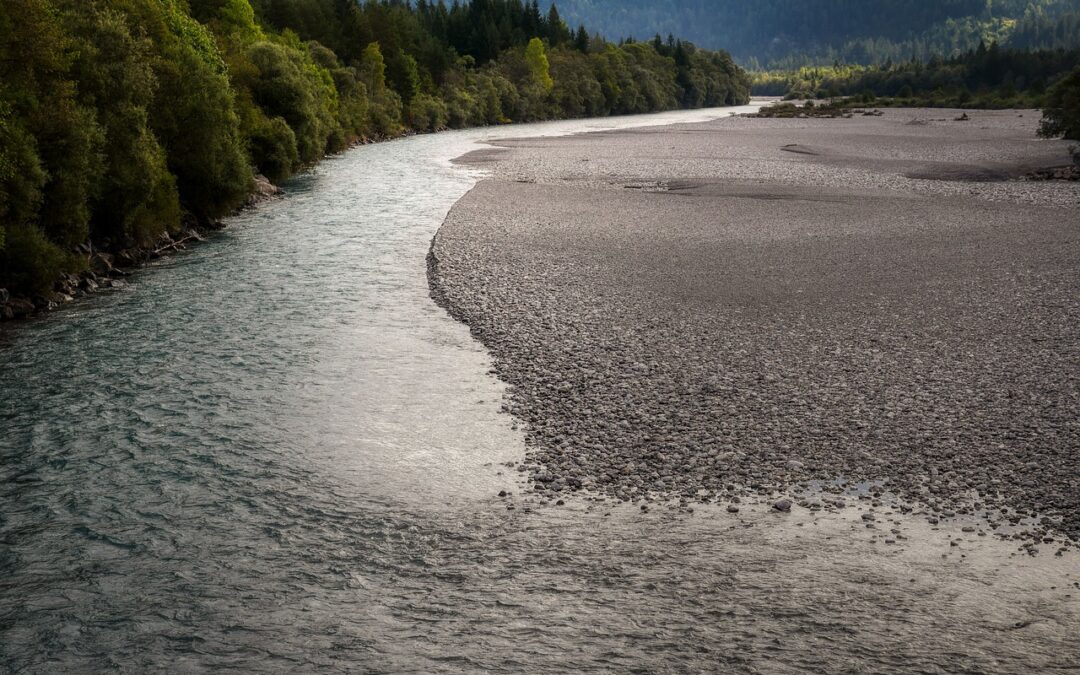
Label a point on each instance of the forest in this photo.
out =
(121, 120)
(783, 34)
(985, 77)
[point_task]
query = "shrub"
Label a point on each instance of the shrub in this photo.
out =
(427, 113)
(1061, 114)
(273, 147)
(29, 262)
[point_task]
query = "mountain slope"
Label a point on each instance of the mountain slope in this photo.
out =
(862, 31)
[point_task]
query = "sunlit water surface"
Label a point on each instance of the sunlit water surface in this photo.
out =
(274, 453)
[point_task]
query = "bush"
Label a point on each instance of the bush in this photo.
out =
(427, 113)
(29, 262)
(273, 146)
(288, 85)
(1061, 115)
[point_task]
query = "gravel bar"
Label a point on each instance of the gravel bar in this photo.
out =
(750, 309)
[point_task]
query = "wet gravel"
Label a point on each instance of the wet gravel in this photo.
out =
(699, 314)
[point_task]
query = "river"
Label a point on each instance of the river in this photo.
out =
(275, 453)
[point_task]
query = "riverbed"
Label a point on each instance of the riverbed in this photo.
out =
(275, 453)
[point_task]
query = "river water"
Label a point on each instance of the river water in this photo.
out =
(275, 453)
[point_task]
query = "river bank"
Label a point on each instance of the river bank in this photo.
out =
(108, 270)
(813, 314)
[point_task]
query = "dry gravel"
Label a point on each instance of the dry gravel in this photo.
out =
(700, 313)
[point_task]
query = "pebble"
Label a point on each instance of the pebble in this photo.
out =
(773, 343)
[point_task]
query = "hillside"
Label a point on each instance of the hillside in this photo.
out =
(783, 32)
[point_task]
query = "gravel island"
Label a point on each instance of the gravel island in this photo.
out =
(769, 309)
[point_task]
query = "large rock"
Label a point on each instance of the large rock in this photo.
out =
(130, 257)
(102, 263)
(20, 307)
(783, 505)
(264, 191)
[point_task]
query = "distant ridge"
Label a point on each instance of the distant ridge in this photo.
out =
(791, 32)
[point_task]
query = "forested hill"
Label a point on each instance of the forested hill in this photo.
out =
(786, 32)
(122, 121)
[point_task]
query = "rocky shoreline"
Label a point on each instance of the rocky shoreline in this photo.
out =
(698, 315)
(107, 271)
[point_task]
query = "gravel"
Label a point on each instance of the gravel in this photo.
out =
(693, 313)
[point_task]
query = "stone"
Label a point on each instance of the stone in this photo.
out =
(21, 307)
(102, 263)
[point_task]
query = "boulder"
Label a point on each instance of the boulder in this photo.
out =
(783, 505)
(102, 263)
(20, 307)
(130, 257)
(263, 190)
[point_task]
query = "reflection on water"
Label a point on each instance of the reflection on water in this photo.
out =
(275, 453)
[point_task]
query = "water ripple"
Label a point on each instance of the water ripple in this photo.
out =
(275, 454)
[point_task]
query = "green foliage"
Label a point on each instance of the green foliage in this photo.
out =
(31, 263)
(428, 113)
(782, 34)
(22, 176)
(987, 77)
(136, 195)
(194, 115)
(120, 119)
(1061, 116)
(539, 67)
(287, 83)
(373, 69)
(49, 159)
(405, 76)
(236, 18)
(272, 144)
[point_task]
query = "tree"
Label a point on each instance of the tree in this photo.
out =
(557, 31)
(136, 196)
(119, 119)
(405, 76)
(373, 68)
(49, 148)
(194, 110)
(581, 40)
(534, 20)
(539, 67)
(1061, 115)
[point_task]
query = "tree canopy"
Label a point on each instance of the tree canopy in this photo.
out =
(122, 120)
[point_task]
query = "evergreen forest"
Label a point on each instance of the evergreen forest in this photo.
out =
(985, 77)
(788, 34)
